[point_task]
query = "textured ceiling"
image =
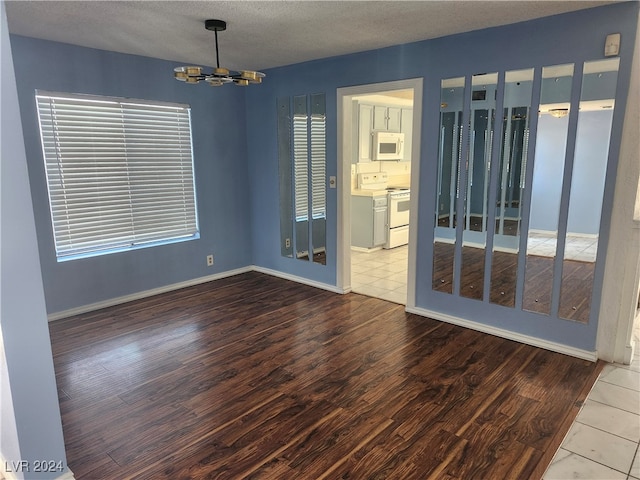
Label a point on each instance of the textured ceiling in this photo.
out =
(263, 34)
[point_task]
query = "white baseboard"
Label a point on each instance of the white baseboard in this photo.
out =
(629, 352)
(146, 293)
(365, 249)
(196, 281)
(68, 475)
(295, 278)
(582, 235)
(500, 332)
(550, 233)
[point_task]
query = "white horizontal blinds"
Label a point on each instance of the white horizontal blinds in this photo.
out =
(300, 158)
(318, 166)
(301, 169)
(119, 174)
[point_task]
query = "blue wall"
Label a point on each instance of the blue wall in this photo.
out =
(219, 146)
(236, 151)
(592, 145)
(30, 415)
(518, 46)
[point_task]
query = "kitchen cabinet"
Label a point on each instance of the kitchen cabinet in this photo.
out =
(368, 221)
(372, 118)
(386, 118)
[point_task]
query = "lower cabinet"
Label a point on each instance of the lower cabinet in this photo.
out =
(368, 221)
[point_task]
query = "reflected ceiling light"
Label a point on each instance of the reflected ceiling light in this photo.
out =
(220, 75)
(559, 112)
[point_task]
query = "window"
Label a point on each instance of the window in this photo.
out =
(301, 167)
(119, 173)
(318, 166)
(309, 137)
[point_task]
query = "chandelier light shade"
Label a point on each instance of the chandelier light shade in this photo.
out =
(559, 112)
(220, 75)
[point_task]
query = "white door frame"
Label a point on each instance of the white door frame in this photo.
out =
(344, 146)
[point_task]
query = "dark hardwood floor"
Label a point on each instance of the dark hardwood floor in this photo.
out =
(577, 280)
(257, 377)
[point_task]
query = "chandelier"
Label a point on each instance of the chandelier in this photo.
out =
(220, 75)
(559, 112)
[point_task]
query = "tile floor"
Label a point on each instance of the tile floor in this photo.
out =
(576, 247)
(602, 443)
(381, 273)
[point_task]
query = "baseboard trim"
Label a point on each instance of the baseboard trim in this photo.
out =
(295, 278)
(509, 335)
(189, 283)
(629, 351)
(68, 475)
(146, 293)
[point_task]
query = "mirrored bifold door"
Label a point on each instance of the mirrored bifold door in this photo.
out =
(529, 210)
(302, 172)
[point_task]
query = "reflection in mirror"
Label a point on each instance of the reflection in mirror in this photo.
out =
(301, 176)
(481, 127)
(587, 187)
(284, 169)
(302, 169)
(318, 178)
(546, 186)
(511, 183)
(451, 106)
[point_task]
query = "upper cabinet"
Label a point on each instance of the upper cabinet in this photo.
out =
(373, 118)
(386, 118)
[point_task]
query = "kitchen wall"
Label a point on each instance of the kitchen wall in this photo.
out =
(399, 173)
(219, 148)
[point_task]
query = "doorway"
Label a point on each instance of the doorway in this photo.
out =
(372, 258)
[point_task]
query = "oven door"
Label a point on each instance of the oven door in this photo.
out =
(397, 237)
(398, 211)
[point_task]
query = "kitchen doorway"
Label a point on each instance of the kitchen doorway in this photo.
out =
(378, 191)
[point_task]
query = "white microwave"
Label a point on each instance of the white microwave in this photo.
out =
(388, 145)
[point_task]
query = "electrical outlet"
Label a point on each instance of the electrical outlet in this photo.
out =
(287, 243)
(209, 260)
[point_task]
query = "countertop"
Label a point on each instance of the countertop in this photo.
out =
(372, 193)
(368, 193)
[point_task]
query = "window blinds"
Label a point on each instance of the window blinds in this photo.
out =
(301, 167)
(309, 132)
(120, 174)
(318, 166)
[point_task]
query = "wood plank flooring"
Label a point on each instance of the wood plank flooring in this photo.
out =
(257, 377)
(577, 280)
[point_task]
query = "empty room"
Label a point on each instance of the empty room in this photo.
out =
(404, 244)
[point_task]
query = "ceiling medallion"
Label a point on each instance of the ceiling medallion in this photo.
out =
(220, 75)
